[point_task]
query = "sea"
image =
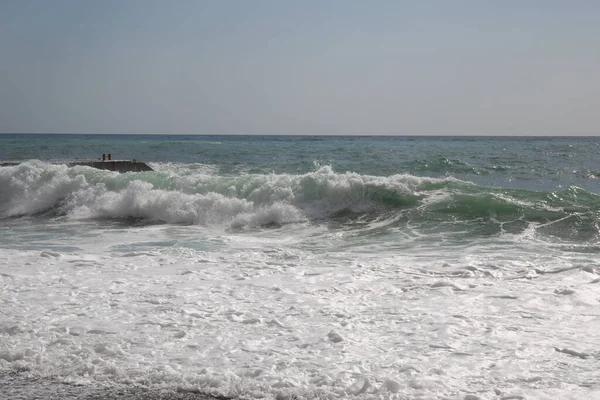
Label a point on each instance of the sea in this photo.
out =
(300, 267)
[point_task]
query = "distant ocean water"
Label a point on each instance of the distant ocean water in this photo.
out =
(304, 267)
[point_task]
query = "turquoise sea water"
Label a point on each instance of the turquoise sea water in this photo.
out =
(373, 267)
(537, 163)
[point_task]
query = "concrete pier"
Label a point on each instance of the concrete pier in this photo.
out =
(112, 165)
(116, 165)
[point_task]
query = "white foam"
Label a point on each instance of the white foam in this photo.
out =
(268, 314)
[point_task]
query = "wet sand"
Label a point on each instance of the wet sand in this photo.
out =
(21, 387)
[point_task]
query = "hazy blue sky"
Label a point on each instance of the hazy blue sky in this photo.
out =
(300, 67)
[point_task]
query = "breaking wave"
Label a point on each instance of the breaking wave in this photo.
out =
(196, 194)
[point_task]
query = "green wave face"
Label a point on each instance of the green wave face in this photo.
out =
(572, 214)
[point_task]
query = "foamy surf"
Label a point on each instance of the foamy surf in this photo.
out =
(269, 318)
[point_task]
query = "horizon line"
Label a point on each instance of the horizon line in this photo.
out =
(309, 134)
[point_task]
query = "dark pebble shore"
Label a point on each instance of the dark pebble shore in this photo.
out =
(15, 386)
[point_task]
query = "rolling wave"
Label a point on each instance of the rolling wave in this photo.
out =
(196, 194)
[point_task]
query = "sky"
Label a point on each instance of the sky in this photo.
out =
(314, 67)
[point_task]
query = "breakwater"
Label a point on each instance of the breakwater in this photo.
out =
(111, 165)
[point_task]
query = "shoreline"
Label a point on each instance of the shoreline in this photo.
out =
(16, 386)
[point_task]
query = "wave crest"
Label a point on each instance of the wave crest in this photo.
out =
(196, 195)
